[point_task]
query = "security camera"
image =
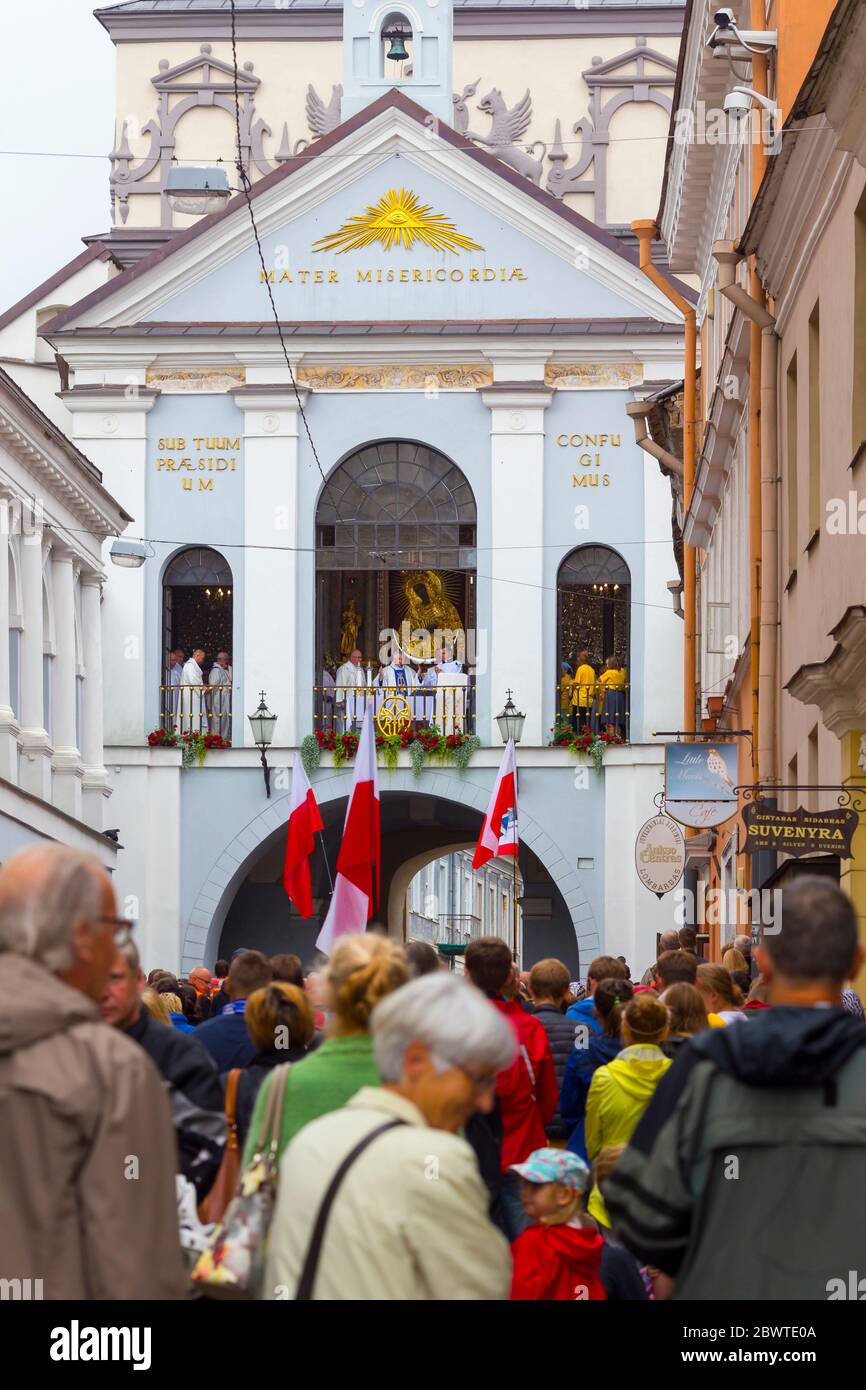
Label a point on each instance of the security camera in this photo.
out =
(738, 104)
(727, 40)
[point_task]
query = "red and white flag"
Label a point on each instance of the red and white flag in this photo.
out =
(356, 891)
(304, 821)
(499, 831)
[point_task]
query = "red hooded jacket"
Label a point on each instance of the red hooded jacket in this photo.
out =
(527, 1090)
(558, 1262)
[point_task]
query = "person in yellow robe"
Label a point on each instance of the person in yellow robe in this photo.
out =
(566, 684)
(611, 696)
(583, 692)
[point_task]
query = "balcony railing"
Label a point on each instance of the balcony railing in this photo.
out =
(450, 707)
(457, 930)
(595, 707)
(196, 709)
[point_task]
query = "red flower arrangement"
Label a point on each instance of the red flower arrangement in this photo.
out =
(162, 738)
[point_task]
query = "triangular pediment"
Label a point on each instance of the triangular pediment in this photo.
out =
(211, 69)
(400, 221)
(631, 65)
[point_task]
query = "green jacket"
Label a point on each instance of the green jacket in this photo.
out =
(322, 1082)
(745, 1177)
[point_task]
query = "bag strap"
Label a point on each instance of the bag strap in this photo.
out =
(311, 1263)
(529, 1068)
(272, 1118)
(234, 1077)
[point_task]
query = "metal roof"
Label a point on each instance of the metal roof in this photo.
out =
(619, 327)
(217, 6)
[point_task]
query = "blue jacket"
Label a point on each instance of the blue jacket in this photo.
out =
(579, 1071)
(584, 1012)
(227, 1040)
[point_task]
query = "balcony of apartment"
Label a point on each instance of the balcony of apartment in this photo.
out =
(447, 930)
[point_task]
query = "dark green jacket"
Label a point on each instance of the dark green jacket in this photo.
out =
(745, 1178)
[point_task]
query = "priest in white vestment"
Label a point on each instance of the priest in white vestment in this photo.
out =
(351, 678)
(192, 708)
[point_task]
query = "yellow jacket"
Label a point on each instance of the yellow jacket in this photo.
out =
(583, 688)
(566, 684)
(618, 1096)
(613, 680)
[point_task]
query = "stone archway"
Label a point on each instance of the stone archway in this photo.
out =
(202, 930)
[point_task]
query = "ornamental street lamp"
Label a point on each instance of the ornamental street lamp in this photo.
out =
(262, 724)
(510, 721)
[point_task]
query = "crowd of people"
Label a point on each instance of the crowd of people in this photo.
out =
(504, 1134)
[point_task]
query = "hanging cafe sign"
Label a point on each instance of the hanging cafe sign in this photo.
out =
(799, 832)
(700, 783)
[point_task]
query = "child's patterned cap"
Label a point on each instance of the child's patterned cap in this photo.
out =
(555, 1165)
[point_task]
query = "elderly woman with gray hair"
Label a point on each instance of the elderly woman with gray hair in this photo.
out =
(382, 1199)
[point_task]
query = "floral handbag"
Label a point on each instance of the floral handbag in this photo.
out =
(233, 1264)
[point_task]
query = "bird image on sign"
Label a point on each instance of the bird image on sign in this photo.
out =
(398, 219)
(716, 767)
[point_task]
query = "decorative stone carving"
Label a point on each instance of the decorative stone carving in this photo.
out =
(627, 75)
(323, 119)
(199, 81)
(351, 377)
(576, 376)
(506, 129)
(177, 381)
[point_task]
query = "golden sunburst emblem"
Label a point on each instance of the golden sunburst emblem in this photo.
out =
(398, 219)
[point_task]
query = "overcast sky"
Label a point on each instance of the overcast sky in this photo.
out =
(57, 96)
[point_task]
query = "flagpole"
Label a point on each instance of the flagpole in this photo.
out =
(327, 865)
(514, 948)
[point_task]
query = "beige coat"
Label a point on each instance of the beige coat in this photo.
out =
(410, 1219)
(87, 1149)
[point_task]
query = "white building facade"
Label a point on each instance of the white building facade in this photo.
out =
(441, 435)
(54, 516)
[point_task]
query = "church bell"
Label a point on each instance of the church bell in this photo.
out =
(397, 52)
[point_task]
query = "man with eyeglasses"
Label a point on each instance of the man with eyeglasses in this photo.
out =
(187, 1068)
(87, 1165)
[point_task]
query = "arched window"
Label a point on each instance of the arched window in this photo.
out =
(395, 544)
(197, 608)
(593, 616)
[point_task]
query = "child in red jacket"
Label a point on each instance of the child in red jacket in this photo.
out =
(558, 1256)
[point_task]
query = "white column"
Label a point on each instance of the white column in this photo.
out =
(35, 765)
(111, 428)
(95, 784)
(517, 553)
(8, 722)
(270, 574)
(66, 761)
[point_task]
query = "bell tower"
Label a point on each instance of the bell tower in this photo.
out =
(390, 44)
